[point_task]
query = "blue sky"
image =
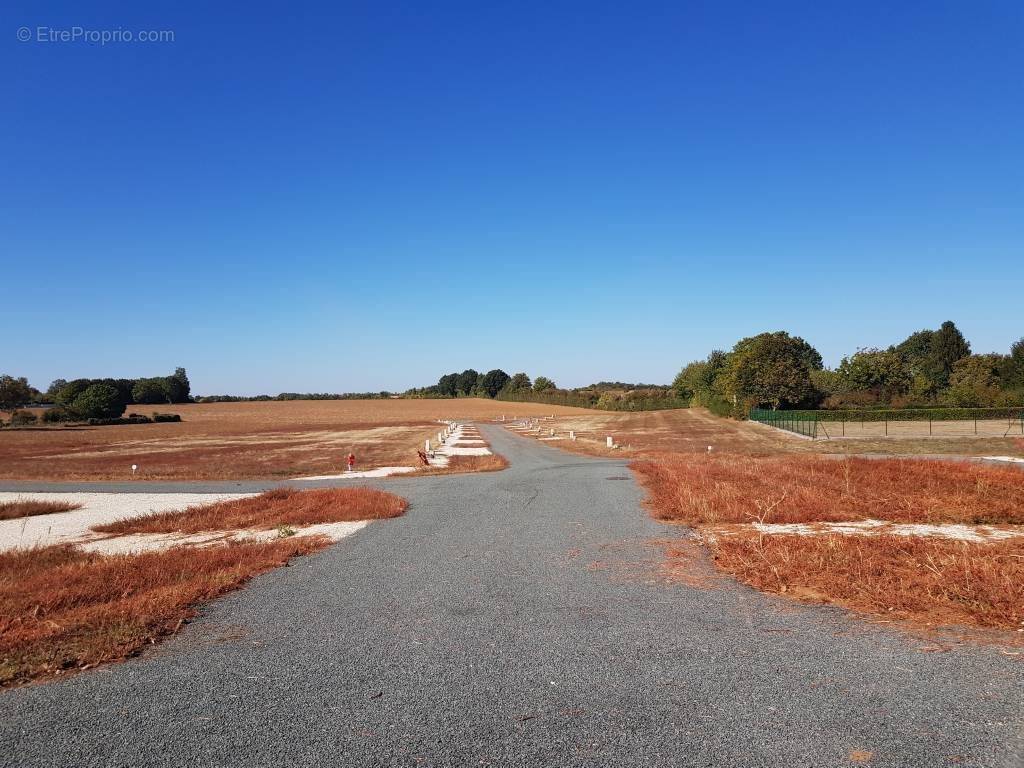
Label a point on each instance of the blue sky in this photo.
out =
(346, 197)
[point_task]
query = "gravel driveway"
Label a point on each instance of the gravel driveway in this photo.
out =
(519, 618)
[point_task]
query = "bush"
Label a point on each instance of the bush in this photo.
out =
(133, 418)
(161, 418)
(57, 415)
(21, 418)
(99, 401)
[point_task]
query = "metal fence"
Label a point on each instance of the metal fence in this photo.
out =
(791, 421)
(938, 422)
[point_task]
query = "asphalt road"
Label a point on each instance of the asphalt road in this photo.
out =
(521, 618)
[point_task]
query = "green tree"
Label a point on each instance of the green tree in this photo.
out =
(466, 381)
(151, 391)
(542, 384)
(883, 373)
(772, 369)
(178, 386)
(519, 381)
(930, 356)
(698, 381)
(72, 389)
(494, 380)
(55, 386)
(1012, 374)
(447, 385)
(14, 393)
(98, 401)
(975, 381)
(948, 346)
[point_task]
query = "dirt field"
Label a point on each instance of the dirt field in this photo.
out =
(982, 428)
(693, 430)
(246, 440)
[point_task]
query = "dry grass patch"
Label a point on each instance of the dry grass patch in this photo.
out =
(802, 489)
(492, 462)
(280, 507)
(64, 609)
(933, 581)
(10, 510)
(925, 580)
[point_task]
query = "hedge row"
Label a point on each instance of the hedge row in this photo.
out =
(904, 414)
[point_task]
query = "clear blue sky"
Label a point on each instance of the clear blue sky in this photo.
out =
(345, 196)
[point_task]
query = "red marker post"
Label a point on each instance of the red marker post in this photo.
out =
(351, 461)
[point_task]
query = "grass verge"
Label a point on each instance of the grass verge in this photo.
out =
(11, 510)
(280, 507)
(62, 609)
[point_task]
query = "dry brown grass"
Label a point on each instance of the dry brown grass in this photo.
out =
(62, 609)
(10, 510)
(801, 488)
(246, 440)
(932, 581)
(493, 462)
(684, 430)
(283, 506)
(693, 430)
(924, 580)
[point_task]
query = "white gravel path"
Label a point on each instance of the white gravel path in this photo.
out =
(97, 508)
(378, 472)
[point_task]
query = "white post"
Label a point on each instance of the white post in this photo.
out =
(572, 434)
(552, 433)
(426, 446)
(609, 442)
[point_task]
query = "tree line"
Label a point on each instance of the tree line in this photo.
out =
(606, 395)
(82, 399)
(471, 383)
(383, 395)
(930, 368)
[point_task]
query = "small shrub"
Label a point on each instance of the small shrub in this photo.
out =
(133, 418)
(57, 415)
(22, 418)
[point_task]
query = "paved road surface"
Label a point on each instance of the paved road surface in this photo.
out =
(520, 619)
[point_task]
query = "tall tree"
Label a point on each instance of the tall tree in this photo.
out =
(14, 392)
(494, 380)
(772, 369)
(447, 385)
(466, 381)
(947, 347)
(883, 373)
(519, 381)
(542, 384)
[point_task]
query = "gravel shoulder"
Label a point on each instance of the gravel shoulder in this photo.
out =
(522, 618)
